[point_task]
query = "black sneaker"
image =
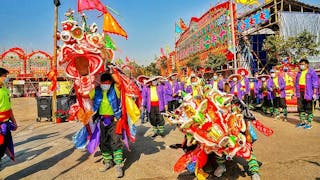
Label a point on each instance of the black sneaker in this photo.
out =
(162, 135)
(119, 171)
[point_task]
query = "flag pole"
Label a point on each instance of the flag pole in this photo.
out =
(233, 35)
(54, 61)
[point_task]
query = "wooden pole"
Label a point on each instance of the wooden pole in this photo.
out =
(233, 35)
(276, 10)
(54, 61)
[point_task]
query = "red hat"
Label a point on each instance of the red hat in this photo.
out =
(264, 75)
(238, 76)
(141, 78)
(241, 70)
(171, 75)
(153, 78)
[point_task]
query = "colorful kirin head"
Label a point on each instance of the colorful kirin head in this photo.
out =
(83, 53)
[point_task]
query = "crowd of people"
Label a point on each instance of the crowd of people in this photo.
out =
(264, 92)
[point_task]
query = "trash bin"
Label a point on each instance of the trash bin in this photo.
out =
(63, 102)
(44, 108)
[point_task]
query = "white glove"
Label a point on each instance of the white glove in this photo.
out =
(315, 97)
(271, 89)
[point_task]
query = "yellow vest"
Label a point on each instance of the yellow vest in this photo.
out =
(215, 85)
(276, 82)
(194, 91)
(154, 94)
(5, 103)
(251, 85)
(302, 80)
(288, 79)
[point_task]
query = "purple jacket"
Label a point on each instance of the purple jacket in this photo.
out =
(170, 90)
(260, 94)
(311, 84)
(247, 84)
(240, 93)
(255, 86)
(282, 85)
(220, 84)
(146, 99)
(189, 89)
(181, 86)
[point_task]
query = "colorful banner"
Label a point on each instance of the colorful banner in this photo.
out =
(44, 88)
(254, 20)
(63, 87)
(211, 31)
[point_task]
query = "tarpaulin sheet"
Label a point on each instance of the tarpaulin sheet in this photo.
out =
(293, 23)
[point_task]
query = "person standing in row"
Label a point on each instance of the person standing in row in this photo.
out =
(263, 93)
(194, 87)
(276, 86)
(154, 100)
(245, 84)
(217, 84)
(306, 91)
(171, 92)
(143, 87)
(253, 98)
(235, 85)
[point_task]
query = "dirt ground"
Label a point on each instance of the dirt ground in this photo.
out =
(45, 151)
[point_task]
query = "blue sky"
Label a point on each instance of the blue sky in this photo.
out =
(149, 23)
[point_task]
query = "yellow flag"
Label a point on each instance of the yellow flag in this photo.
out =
(247, 2)
(110, 25)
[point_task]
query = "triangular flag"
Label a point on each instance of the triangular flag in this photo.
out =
(110, 25)
(90, 5)
(109, 43)
(178, 29)
(182, 25)
(162, 52)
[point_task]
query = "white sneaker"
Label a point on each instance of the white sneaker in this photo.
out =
(220, 170)
(255, 177)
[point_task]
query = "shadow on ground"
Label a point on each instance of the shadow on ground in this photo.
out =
(235, 169)
(138, 147)
(46, 163)
(38, 137)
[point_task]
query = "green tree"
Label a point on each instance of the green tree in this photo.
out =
(303, 46)
(215, 61)
(152, 70)
(297, 47)
(194, 62)
(277, 48)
